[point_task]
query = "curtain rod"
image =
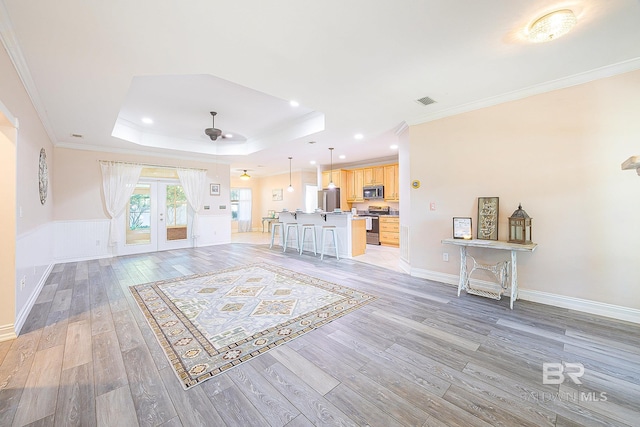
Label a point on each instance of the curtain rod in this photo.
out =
(150, 165)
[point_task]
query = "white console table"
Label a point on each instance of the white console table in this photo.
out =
(514, 248)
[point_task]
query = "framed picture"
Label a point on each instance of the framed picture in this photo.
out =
(276, 194)
(488, 218)
(462, 228)
(214, 189)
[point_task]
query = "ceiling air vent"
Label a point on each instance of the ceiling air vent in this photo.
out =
(425, 100)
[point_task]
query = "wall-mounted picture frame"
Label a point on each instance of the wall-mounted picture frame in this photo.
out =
(214, 189)
(488, 218)
(462, 228)
(276, 194)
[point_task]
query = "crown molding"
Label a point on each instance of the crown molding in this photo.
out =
(10, 43)
(202, 158)
(565, 82)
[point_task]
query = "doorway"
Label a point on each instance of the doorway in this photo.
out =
(156, 218)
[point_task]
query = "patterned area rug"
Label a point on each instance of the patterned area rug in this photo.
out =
(208, 323)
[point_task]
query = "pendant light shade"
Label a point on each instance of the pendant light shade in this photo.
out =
(290, 189)
(245, 176)
(331, 185)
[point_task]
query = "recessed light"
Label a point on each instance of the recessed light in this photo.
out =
(147, 120)
(358, 136)
(342, 156)
(313, 162)
(294, 103)
(394, 147)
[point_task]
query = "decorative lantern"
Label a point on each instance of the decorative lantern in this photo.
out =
(520, 227)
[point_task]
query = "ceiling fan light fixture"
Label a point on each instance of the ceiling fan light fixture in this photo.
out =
(245, 176)
(552, 25)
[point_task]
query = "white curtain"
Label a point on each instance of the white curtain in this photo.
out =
(244, 209)
(194, 183)
(118, 182)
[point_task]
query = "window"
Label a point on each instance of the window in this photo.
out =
(241, 208)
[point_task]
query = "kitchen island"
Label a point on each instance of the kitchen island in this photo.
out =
(350, 230)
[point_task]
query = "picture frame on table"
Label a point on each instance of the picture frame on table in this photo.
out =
(488, 209)
(214, 189)
(462, 228)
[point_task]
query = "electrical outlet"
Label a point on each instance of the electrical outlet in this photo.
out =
(445, 256)
(23, 281)
(432, 206)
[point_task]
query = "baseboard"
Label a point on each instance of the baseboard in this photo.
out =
(8, 332)
(24, 313)
(82, 258)
(449, 279)
(586, 306)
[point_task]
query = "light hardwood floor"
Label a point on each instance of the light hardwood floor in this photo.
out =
(417, 356)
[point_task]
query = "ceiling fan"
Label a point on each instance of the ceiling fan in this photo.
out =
(212, 132)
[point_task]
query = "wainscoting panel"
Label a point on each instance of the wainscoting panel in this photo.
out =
(81, 240)
(34, 260)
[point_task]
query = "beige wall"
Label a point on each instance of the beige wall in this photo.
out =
(559, 154)
(262, 189)
(78, 183)
(24, 216)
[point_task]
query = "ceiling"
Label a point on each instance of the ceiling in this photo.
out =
(95, 69)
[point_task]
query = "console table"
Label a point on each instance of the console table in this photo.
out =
(499, 269)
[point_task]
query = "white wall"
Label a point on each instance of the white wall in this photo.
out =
(559, 154)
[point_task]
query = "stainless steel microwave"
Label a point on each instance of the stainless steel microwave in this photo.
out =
(376, 192)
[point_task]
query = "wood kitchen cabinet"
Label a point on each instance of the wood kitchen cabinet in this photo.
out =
(391, 188)
(354, 185)
(390, 231)
(373, 176)
(336, 177)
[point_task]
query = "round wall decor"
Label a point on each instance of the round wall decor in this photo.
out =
(415, 184)
(43, 176)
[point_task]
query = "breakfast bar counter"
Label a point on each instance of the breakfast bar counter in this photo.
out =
(350, 230)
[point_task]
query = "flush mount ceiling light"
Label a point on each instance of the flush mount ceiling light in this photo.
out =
(245, 176)
(290, 189)
(331, 185)
(552, 25)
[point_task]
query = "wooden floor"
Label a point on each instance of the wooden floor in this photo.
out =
(417, 356)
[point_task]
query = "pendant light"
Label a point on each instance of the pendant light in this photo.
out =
(290, 189)
(331, 185)
(245, 176)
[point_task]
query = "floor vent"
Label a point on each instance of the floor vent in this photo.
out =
(425, 100)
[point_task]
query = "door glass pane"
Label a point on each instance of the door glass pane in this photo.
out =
(176, 215)
(139, 216)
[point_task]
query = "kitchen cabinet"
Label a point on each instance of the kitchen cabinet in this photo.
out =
(390, 231)
(354, 185)
(391, 188)
(373, 176)
(334, 176)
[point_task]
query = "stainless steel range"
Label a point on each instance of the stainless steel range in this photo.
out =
(373, 231)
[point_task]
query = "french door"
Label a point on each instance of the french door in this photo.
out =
(157, 218)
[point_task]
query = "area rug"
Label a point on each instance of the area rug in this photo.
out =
(208, 323)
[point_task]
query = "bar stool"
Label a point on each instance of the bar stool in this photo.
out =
(290, 226)
(326, 229)
(311, 228)
(278, 226)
